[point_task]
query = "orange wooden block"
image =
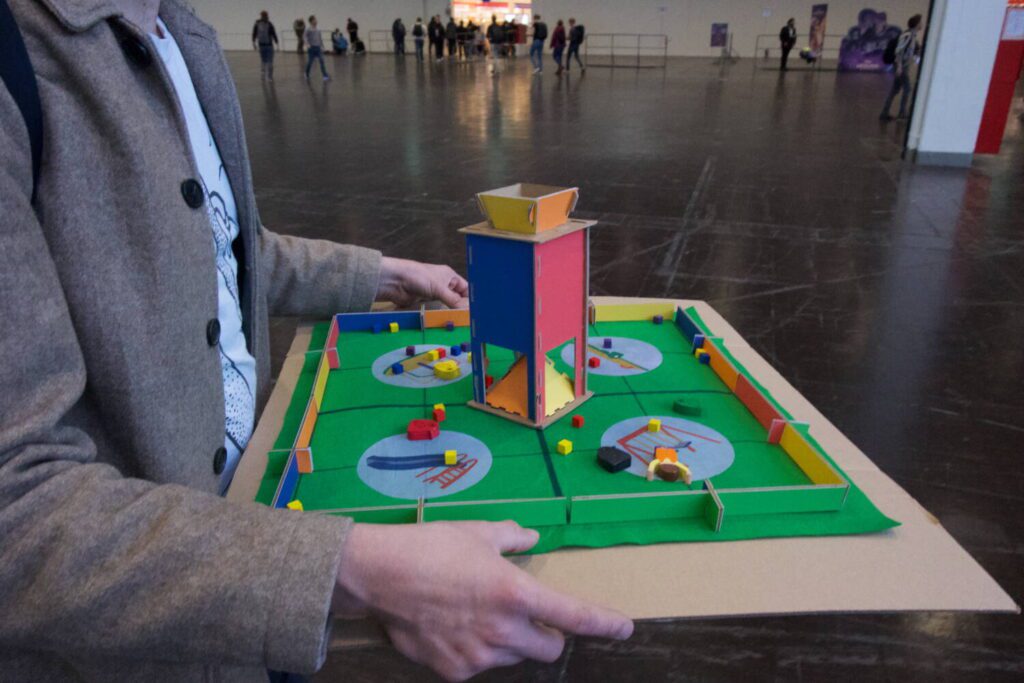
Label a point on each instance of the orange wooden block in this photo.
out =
(664, 453)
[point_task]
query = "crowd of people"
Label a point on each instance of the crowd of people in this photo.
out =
(463, 40)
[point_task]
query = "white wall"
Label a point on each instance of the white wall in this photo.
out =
(954, 82)
(686, 22)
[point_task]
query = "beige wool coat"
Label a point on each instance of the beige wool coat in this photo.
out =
(117, 559)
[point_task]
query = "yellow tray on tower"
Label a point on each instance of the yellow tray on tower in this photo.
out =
(528, 208)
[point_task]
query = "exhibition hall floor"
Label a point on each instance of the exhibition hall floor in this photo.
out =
(890, 296)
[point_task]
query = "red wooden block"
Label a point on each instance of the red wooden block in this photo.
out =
(439, 415)
(333, 362)
(593, 361)
(756, 403)
(577, 421)
(441, 353)
(488, 381)
(422, 430)
(775, 431)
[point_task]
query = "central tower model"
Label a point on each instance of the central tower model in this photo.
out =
(528, 293)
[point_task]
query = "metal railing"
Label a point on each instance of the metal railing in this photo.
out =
(768, 52)
(635, 50)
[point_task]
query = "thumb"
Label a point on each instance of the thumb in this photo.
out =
(508, 537)
(449, 297)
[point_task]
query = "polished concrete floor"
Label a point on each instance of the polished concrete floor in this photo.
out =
(891, 296)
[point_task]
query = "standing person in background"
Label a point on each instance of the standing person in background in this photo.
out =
(264, 37)
(435, 32)
(495, 38)
(558, 45)
(907, 48)
(451, 33)
(576, 34)
(462, 36)
(398, 34)
(787, 39)
(300, 31)
(540, 34)
(315, 49)
(417, 37)
(511, 34)
(353, 31)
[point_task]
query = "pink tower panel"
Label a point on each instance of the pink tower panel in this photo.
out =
(561, 276)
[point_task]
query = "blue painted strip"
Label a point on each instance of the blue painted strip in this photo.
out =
(364, 322)
(686, 325)
(288, 483)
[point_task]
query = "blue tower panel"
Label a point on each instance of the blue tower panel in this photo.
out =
(501, 292)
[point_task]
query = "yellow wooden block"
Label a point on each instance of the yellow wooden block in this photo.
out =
(295, 505)
(439, 406)
(433, 355)
(807, 457)
(451, 457)
(447, 369)
(393, 327)
(654, 425)
(564, 447)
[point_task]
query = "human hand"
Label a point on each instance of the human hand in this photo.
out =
(449, 600)
(404, 283)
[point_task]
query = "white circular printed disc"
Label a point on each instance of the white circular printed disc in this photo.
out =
(702, 449)
(418, 369)
(625, 357)
(400, 468)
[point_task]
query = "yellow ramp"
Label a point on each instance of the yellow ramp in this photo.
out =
(509, 393)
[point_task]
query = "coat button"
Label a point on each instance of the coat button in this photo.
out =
(192, 191)
(220, 459)
(136, 51)
(213, 332)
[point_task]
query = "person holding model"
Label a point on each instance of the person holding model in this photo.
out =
(136, 283)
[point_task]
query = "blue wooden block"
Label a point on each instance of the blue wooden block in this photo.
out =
(657, 320)
(455, 351)
(464, 346)
(397, 368)
(607, 343)
(698, 342)
(449, 325)
(705, 359)
(410, 350)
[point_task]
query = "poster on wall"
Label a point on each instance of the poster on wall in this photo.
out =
(863, 47)
(719, 35)
(817, 38)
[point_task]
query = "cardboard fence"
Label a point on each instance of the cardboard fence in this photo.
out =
(827, 490)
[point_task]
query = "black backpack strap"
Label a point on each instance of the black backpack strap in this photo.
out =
(17, 74)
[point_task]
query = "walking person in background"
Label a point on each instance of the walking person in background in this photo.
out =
(264, 37)
(576, 34)
(315, 49)
(558, 45)
(787, 39)
(451, 34)
(540, 34)
(353, 31)
(398, 34)
(511, 34)
(299, 26)
(495, 39)
(907, 48)
(417, 37)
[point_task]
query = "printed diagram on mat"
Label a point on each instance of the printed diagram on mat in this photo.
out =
(418, 368)
(400, 468)
(616, 356)
(703, 450)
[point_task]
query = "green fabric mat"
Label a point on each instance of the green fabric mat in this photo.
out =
(359, 411)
